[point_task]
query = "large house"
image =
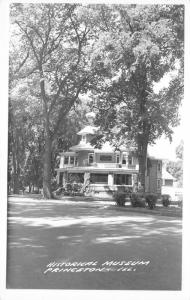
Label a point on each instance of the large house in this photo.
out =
(104, 171)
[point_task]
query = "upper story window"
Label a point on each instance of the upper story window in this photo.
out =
(158, 184)
(159, 167)
(106, 158)
(66, 160)
(72, 159)
(90, 158)
(117, 158)
(124, 159)
(130, 160)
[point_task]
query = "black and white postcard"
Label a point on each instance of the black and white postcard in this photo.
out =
(94, 176)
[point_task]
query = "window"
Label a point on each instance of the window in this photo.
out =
(123, 179)
(159, 167)
(130, 160)
(124, 160)
(84, 138)
(117, 158)
(72, 159)
(169, 182)
(76, 161)
(158, 184)
(99, 178)
(106, 158)
(61, 178)
(66, 160)
(90, 158)
(76, 177)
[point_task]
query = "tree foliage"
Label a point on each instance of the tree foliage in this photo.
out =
(54, 38)
(175, 168)
(145, 43)
(59, 52)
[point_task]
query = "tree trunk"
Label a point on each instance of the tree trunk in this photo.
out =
(47, 194)
(15, 184)
(15, 175)
(142, 157)
(15, 164)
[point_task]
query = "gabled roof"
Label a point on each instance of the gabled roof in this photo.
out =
(167, 175)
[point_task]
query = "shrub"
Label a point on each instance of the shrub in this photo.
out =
(119, 198)
(137, 200)
(59, 191)
(180, 203)
(166, 200)
(151, 200)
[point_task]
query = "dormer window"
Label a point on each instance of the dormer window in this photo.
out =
(84, 138)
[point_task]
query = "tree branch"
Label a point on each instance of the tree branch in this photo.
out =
(30, 41)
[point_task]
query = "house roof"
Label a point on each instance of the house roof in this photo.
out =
(82, 146)
(106, 148)
(69, 153)
(92, 169)
(167, 175)
(153, 157)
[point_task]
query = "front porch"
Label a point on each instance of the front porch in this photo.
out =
(97, 182)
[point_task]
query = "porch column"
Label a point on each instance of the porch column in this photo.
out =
(110, 179)
(65, 178)
(134, 182)
(86, 178)
(57, 177)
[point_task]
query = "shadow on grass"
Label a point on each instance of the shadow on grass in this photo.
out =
(40, 232)
(43, 222)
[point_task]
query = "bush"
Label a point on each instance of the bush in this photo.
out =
(59, 191)
(166, 200)
(151, 200)
(137, 200)
(119, 198)
(180, 203)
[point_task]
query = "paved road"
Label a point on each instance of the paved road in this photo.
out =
(103, 248)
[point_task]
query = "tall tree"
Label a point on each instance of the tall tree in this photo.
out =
(54, 38)
(137, 46)
(25, 132)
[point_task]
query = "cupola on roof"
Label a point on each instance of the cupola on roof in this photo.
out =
(88, 130)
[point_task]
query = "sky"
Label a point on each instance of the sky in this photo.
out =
(163, 148)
